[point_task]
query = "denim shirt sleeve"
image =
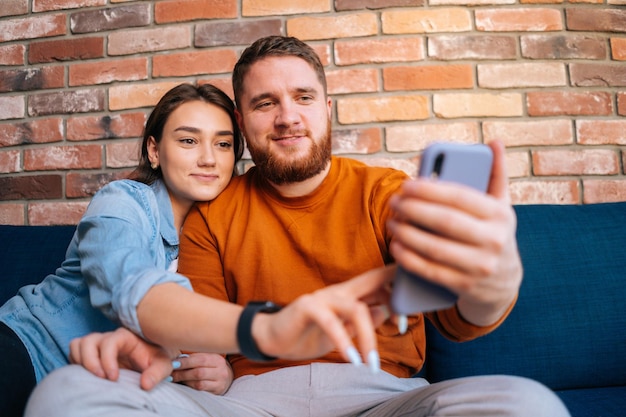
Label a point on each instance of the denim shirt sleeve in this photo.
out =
(122, 251)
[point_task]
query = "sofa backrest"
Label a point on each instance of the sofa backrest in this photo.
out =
(568, 328)
(29, 253)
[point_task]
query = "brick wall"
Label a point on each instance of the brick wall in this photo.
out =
(78, 77)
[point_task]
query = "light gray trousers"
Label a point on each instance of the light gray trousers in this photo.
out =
(316, 390)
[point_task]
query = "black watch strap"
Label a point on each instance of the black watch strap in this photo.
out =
(247, 345)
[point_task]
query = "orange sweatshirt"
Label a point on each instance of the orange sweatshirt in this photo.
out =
(250, 243)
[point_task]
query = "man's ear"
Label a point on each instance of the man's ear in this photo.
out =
(239, 119)
(153, 151)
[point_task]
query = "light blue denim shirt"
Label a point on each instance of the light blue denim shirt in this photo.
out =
(122, 246)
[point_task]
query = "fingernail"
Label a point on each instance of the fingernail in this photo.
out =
(403, 323)
(354, 356)
(176, 364)
(373, 360)
(169, 378)
(385, 311)
(183, 355)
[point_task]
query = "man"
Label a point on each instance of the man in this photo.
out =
(301, 220)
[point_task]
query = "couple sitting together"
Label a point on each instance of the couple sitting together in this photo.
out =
(276, 304)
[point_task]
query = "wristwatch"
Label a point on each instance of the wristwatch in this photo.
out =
(247, 345)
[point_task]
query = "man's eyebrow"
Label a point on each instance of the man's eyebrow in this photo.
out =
(298, 90)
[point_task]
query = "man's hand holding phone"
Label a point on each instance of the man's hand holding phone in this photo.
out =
(461, 239)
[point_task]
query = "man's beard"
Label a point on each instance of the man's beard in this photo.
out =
(280, 172)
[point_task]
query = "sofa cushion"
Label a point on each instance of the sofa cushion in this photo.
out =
(30, 253)
(595, 402)
(568, 328)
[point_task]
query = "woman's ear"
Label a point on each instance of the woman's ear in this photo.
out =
(153, 152)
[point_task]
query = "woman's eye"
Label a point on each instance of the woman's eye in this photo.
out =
(226, 145)
(187, 141)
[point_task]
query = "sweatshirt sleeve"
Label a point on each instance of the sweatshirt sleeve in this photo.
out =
(453, 326)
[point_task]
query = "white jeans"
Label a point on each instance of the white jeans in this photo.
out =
(316, 390)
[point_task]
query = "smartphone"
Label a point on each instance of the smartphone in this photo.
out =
(465, 164)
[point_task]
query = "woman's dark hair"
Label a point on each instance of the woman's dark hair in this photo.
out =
(178, 95)
(274, 46)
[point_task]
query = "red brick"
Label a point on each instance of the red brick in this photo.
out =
(75, 101)
(596, 19)
(127, 125)
(452, 47)
(10, 161)
(521, 74)
(32, 79)
(12, 54)
(59, 213)
(127, 42)
(63, 157)
(47, 5)
(66, 50)
(132, 96)
(33, 27)
(181, 11)
(621, 104)
(382, 109)
(235, 33)
(12, 214)
(119, 17)
(223, 83)
(79, 185)
(529, 132)
(568, 103)
(335, 26)
(284, 7)
(575, 162)
(33, 131)
(517, 164)
(367, 51)
(31, 187)
(194, 63)
(352, 81)
(518, 20)
(618, 49)
(123, 154)
(357, 141)
(601, 132)
(91, 73)
(13, 7)
(545, 192)
(426, 21)
(375, 4)
(604, 191)
(569, 46)
(428, 77)
(595, 74)
(415, 137)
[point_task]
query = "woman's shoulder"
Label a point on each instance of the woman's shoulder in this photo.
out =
(122, 196)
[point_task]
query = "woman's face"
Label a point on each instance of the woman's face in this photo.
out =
(196, 153)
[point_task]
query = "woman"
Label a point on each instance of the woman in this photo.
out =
(125, 244)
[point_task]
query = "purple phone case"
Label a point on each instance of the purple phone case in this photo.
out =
(466, 164)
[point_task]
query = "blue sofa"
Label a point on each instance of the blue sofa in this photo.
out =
(567, 330)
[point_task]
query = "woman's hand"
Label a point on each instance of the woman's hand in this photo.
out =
(330, 318)
(103, 354)
(209, 372)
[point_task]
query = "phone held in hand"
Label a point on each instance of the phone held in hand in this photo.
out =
(469, 165)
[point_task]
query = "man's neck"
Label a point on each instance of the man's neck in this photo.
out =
(302, 188)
